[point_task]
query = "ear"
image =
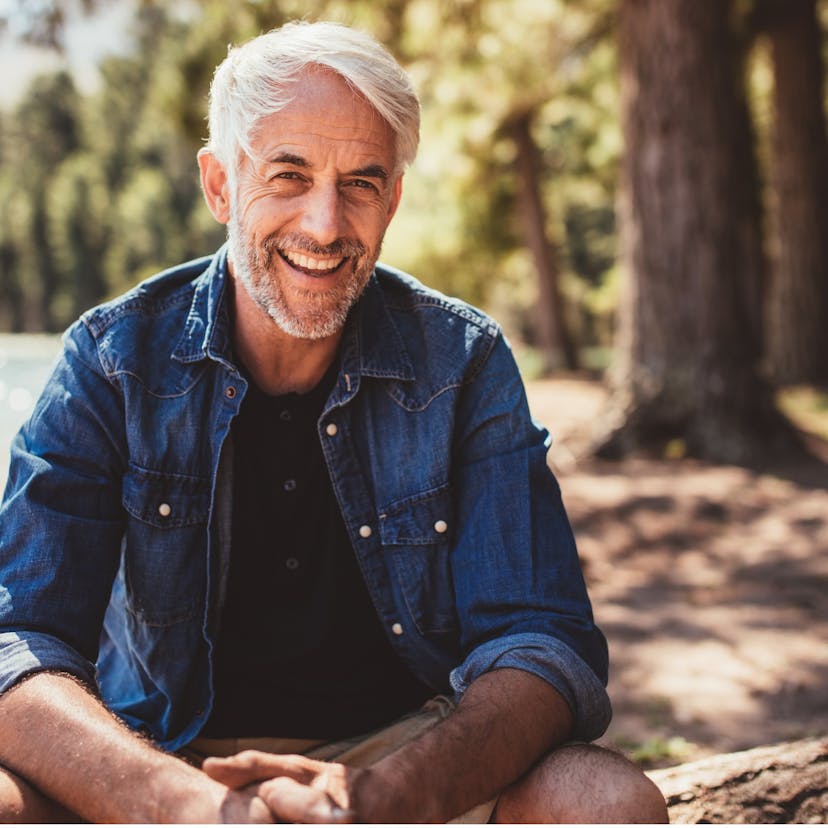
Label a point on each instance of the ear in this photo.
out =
(214, 185)
(396, 195)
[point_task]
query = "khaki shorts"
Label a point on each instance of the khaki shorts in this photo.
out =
(357, 752)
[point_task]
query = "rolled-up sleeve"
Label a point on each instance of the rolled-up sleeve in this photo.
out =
(520, 592)
(61, 521)
(24, 653)
(549, 659)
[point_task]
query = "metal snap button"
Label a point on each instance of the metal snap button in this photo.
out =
(441, 526)
(396, 628)
(331, 429)
(165, 510)
(365, 531)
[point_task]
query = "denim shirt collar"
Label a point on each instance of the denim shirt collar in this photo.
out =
(207, 328)
(371, 344)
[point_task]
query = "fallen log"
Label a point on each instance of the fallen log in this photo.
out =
(776, 784)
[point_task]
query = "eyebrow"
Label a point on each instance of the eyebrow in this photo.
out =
(289, 158)
(371, 171)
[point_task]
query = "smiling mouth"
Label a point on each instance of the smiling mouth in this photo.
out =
(312, 265)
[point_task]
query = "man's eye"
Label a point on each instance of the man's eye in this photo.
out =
(363, 184)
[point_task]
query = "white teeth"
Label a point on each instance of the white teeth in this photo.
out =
(301, 260)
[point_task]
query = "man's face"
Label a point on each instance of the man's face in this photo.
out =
(310, 209)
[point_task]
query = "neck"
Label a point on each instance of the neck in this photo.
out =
(277, 362)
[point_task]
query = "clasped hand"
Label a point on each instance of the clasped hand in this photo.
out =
(294, 788)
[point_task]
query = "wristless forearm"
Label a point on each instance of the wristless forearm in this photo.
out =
(78, 754)
(507, 720)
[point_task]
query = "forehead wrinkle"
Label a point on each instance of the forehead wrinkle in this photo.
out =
(298, 147)
(362, 125)
(325, 119)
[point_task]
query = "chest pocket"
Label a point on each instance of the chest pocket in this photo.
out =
(416, 539)
(165, 546)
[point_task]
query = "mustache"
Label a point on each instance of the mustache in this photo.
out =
(339, 248)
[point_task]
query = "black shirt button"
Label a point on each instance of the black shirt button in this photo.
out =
(292, 564)
(289, 485)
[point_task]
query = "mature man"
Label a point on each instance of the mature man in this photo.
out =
(284, 497)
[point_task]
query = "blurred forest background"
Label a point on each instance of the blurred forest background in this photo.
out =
(633, 184)
(638, 190)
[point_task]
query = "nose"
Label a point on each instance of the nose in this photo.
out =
(322, 213)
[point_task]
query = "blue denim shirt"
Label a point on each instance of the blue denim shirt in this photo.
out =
(115, 522)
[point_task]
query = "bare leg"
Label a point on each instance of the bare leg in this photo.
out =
(583, 784)
(20, 802)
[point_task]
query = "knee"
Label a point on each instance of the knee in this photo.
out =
(585, 784)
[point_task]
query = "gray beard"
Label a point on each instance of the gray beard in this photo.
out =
(321, 316)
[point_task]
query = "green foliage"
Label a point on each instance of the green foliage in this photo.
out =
(495, 60)
(77, 206)
(13, 215)
(41, 134)
(807, 408)
(658, 751)
(147, 233)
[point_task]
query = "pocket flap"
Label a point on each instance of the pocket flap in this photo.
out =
(166, 500)
(425, 518)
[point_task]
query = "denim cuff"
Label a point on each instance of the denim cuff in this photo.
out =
(549, 659)
(24, 653)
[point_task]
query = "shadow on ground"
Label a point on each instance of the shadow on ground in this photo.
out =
(709, 582)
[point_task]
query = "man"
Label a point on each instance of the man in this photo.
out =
(284, 497)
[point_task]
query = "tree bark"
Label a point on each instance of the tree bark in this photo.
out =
(798, 290)
(554, 337)
(689, 342)
(780, 783)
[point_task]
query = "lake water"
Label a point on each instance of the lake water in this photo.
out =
(25, 362)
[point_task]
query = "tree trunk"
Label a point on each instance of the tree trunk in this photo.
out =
(554, 337)
(798, 292)
(689, 340)
(780, 783)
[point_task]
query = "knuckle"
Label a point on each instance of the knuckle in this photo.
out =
(247, 758)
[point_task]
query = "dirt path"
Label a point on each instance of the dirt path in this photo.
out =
(711, 584)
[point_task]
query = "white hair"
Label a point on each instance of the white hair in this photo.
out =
(254, 81)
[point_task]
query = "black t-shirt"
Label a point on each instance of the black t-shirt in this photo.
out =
(301, 652)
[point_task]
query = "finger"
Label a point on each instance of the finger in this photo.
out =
(254, 766)
(238, 808)
(292, 801)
